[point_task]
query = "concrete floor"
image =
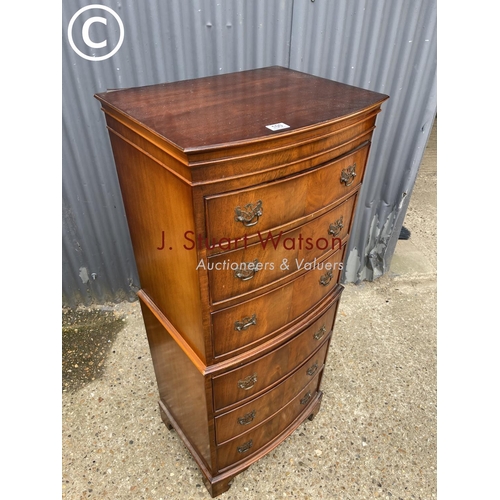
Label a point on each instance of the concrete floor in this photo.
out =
(374, 437)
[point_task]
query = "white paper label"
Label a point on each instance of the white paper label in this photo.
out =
(277, 126)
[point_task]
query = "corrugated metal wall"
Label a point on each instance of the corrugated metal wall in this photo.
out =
(387, 46)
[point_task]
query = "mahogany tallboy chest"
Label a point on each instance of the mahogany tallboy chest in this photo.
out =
(240, 192)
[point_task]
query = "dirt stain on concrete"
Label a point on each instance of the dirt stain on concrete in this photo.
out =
(87, 339)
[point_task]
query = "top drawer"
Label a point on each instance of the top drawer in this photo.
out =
(274, 205)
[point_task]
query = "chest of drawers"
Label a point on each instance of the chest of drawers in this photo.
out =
(240, 192)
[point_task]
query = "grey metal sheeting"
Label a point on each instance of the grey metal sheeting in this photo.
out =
(388, 46)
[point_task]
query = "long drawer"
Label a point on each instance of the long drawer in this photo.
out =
(275, 257)
(240, 384)
(250, 442)
(248, 323)
(275, 204)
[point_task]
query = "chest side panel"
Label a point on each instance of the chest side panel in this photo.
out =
(159, 211)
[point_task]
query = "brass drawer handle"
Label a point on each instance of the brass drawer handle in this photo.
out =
(248, 271)
(313, 369)
(245, 446)
(336, 227)
(348, 174)
(245, 323)
(246, 419)
(306, 398)
(249, 215)
(248, 382)
(319, 334)
(326, 278)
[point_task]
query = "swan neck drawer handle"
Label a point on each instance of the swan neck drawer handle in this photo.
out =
(313, 369)
(245, 446)
(348, 174)
(326, 278)
(246, 419)
(320, 333)
(245, 323)
(336, 227)
(247, 270)
(306, 398)
(250, 214)
(248, 382)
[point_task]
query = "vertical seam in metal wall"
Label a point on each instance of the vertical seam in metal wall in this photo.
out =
(290, 37)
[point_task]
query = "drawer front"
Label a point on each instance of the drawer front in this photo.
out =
(248, 416)
(244, 382)
(275, 204)
(248, 443)
(251, 322)
(277, 256)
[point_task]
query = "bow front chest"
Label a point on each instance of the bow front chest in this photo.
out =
(240, 192)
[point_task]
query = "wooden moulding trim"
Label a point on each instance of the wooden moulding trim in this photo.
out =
(240, 466)
(228, 178)
(173, 150)
(145, 132)
(150, 156)
(277, 149)
(180, 153)
(214, 147)
(179, 339)
(289, 164)
(247, 356)
(158, 148)
(198, 458)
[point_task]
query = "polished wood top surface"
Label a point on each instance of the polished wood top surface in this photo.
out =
(236, 108)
